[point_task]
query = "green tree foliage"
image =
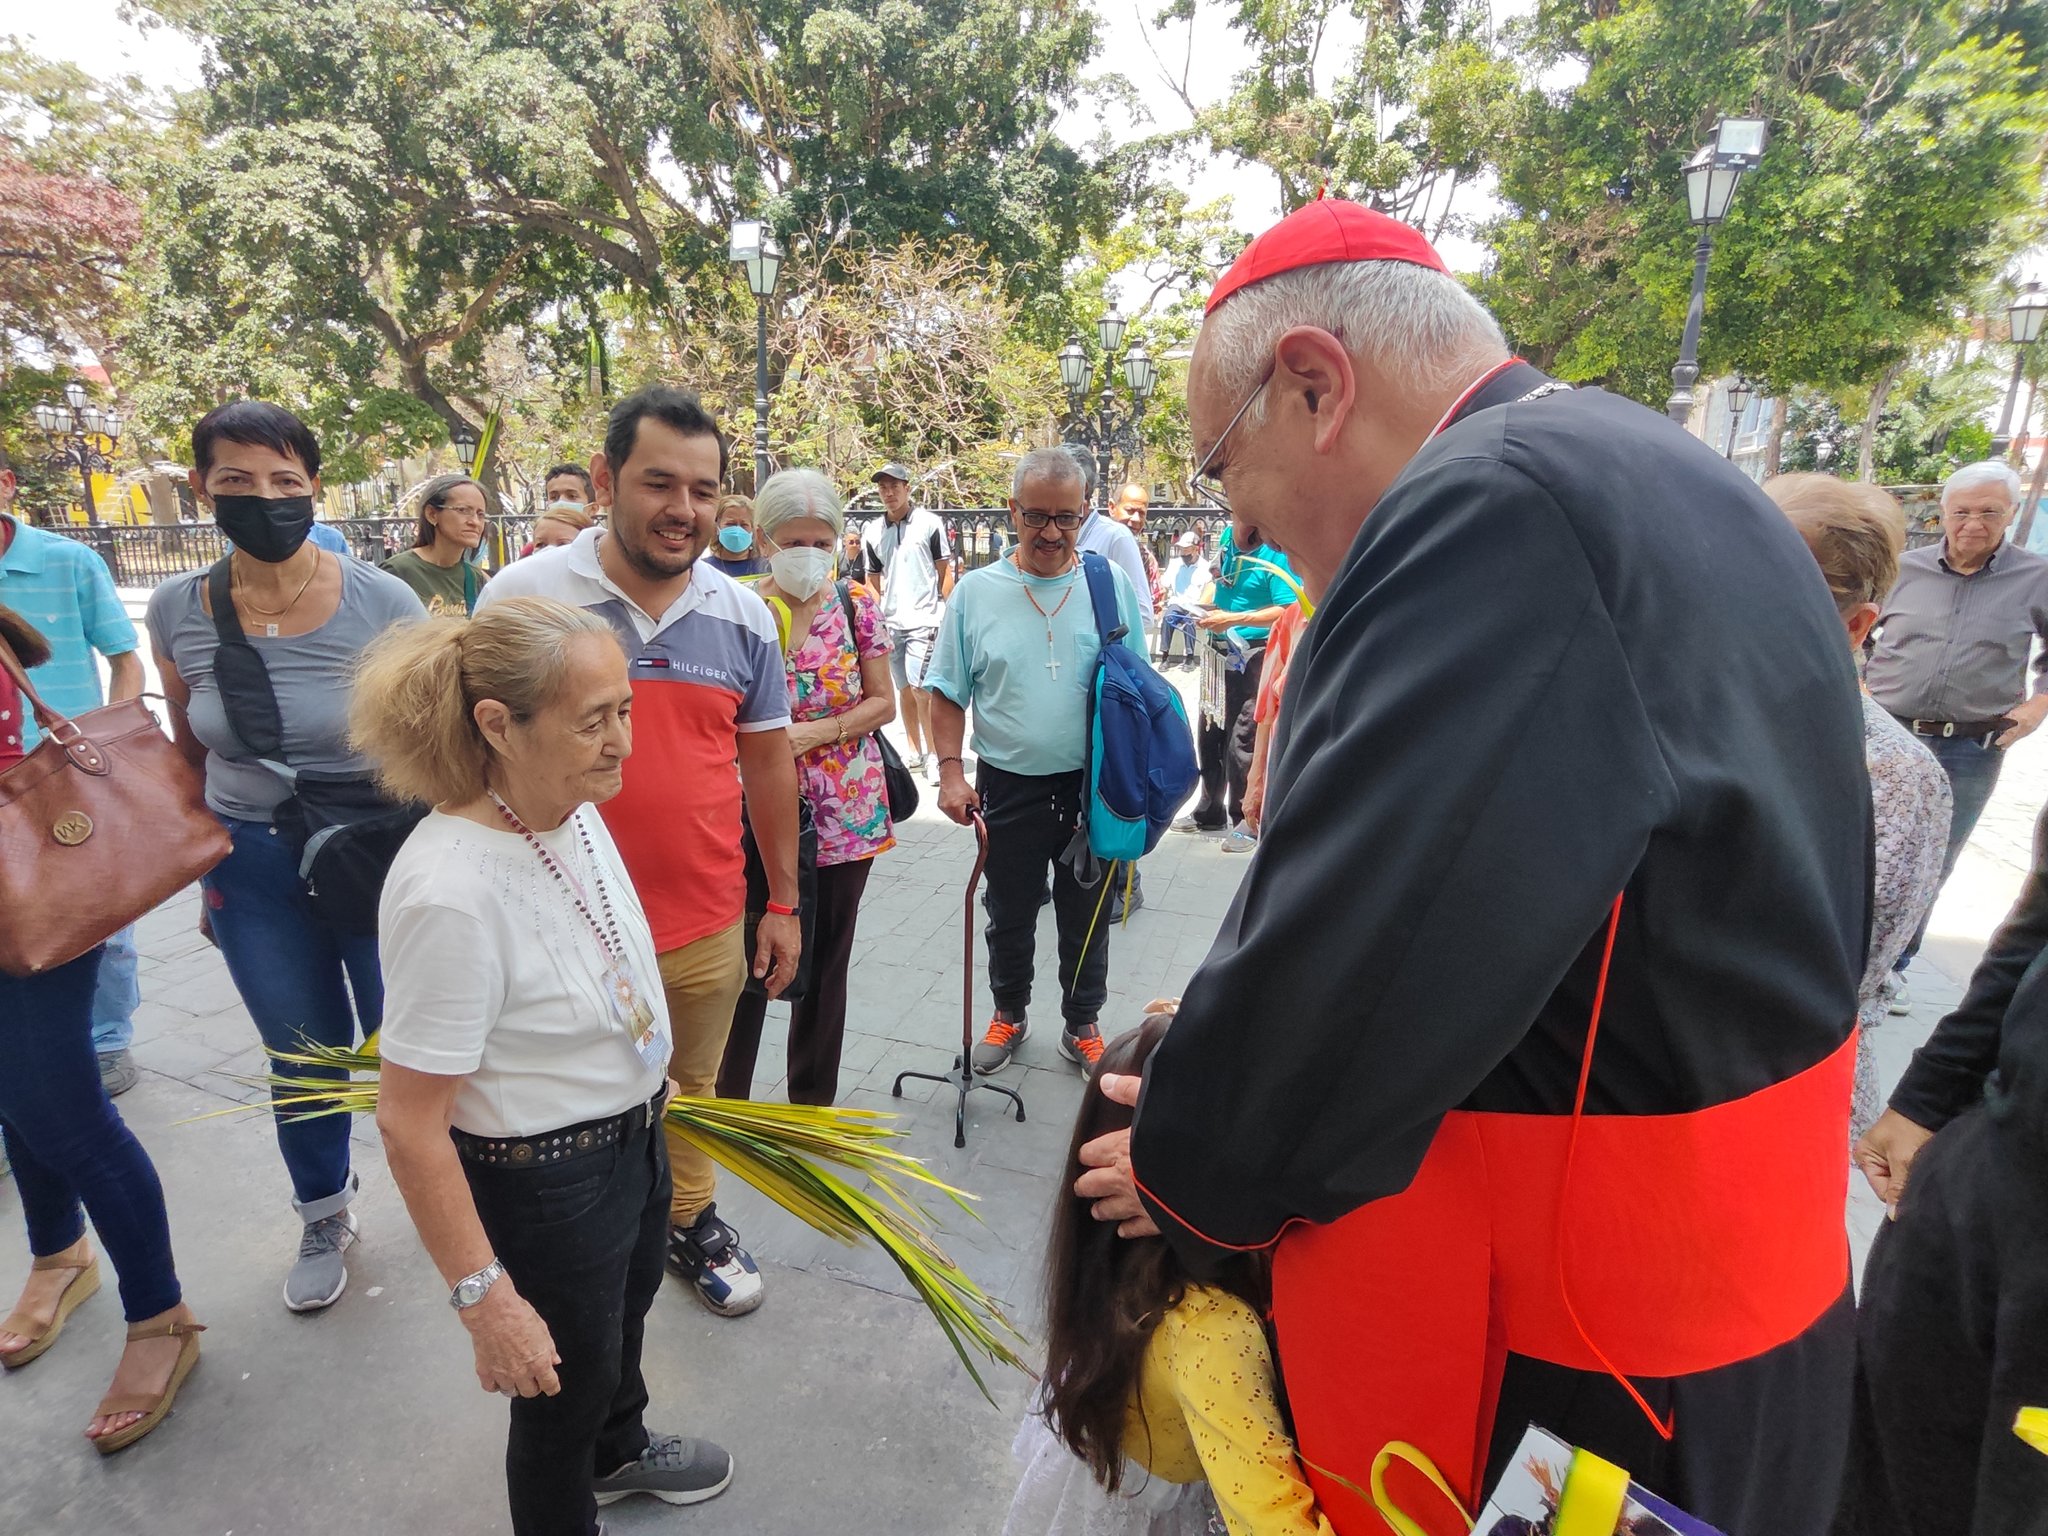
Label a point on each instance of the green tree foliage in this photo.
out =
(1905, 152)
(1406, 114)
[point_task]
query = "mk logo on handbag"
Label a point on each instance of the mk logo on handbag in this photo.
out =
(72, 828)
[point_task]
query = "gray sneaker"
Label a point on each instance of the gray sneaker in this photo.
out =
(672, 1469)
(996, 1048)
(319, 1277)
(118, 1073)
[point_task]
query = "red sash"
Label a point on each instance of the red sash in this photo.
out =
(1642, 1245)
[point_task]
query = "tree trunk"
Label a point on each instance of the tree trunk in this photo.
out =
(1879, 395)
(1774, 440)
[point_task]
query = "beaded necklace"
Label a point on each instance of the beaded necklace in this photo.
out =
(608, 938)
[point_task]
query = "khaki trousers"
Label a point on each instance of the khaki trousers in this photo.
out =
(703, 981)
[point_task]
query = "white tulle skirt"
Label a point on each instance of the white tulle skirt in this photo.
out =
(1058, 1496)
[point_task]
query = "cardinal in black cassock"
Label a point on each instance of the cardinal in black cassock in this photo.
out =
(1527, 1041)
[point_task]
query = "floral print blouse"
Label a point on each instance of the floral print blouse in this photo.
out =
(1909, 802)
(848, 795)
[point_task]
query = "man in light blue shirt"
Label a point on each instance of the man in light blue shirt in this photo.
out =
(1018, 647)
(65, 590)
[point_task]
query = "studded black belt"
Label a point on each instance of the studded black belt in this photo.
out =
(560, 1146)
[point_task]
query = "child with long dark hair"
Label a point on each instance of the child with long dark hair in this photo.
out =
(1159, 1414)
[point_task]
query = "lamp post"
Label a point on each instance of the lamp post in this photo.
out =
(1110, 424)
(1739, 393)
(1710, 180)
(2023, 317)
(754, 247)
(72, 429)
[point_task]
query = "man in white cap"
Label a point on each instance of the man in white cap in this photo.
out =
(1184, 581)
(908, 555)
(1527, 1043)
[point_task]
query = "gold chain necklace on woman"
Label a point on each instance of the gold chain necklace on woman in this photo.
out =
(270, 630)
(1052, 664)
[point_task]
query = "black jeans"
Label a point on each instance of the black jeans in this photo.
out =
(583, 1241)
(817, 1021)
(1226, 750)
(1031, 821)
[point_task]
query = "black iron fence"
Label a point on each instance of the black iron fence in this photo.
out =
(142, 557)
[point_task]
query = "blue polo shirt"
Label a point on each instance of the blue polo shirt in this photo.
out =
(66, 591)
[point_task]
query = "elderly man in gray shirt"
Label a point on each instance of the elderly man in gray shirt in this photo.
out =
(1952, 647)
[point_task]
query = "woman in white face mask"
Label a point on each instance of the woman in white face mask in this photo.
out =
(837, 652)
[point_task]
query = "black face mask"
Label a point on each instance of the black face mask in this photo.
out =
(266, 528)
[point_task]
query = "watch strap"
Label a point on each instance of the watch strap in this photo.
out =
(481, 1281)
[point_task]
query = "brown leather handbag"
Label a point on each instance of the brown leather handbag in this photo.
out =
(100, 823)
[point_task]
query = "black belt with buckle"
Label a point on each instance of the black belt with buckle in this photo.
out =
(1965, 730)
(552, 1147)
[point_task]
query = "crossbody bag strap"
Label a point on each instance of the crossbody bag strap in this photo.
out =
(227, 630)
(1109, 622)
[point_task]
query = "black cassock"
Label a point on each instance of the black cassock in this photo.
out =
(1573, 652)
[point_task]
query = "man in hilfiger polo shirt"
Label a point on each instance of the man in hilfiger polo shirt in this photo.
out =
(709, 696)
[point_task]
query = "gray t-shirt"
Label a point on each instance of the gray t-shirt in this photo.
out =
(309, 673)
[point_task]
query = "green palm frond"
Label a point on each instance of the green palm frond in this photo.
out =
(789, 1152)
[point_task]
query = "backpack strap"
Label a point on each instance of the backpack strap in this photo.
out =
(469, 587)
(1109, 622)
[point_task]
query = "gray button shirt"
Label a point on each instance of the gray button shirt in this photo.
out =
(1954, 647)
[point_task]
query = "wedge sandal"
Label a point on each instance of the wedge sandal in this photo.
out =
(153, 1409)
(40, 1337)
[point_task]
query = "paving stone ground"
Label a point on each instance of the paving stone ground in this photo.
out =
(843, 1404)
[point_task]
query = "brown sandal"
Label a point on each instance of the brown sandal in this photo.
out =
(82, 1285)
(153, 1409)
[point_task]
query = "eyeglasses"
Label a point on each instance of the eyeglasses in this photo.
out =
(1986, 518)
(1066, 522)
(1208, 483)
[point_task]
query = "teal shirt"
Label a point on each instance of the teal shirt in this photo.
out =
(991, 659)
(1250, 587)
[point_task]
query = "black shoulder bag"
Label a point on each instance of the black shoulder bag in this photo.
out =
(345, 829)
(901, 782)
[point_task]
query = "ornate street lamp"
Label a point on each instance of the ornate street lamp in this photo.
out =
(75, 430)
(1711, 177)
(1739, 392)
(465, 447)
(754, 247)
(2023, 317)
(1112, 426)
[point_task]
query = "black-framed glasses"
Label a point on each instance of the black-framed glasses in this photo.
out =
(1208, 483)
(1066, 522)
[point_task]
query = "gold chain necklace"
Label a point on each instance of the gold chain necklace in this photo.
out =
(270, 630)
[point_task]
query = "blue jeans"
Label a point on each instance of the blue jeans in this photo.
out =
(296, 976)
(72, 1152)
(1972, 769)
(119, 994)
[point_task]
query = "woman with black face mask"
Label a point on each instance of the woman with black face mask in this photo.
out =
(307, 615)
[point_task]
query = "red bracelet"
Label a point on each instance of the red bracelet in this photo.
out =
(780, 910)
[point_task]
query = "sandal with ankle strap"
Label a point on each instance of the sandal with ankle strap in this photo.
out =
(153, 1409)
(40, 1336)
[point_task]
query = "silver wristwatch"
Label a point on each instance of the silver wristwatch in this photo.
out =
(471, 1289)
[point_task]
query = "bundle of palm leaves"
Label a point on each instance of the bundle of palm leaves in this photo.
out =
(786, 1151)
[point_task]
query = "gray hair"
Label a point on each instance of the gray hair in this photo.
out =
(1983, 472)
(794, 493)
(1054, 464)
(1417, 325)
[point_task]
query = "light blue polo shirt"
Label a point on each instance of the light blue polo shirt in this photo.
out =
(66, 591)
(992, 657)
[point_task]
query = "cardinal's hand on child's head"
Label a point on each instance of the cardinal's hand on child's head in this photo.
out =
(1109, 1184)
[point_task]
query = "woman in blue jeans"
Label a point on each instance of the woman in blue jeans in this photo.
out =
(72, 1154)
(309, 615)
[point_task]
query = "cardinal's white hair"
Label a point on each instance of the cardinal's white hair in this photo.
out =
(1412, 323)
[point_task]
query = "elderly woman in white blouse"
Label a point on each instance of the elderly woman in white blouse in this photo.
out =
(525, 1042)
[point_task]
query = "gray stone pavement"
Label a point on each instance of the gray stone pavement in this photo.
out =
(841, 1401)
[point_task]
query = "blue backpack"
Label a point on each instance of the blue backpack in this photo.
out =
(1141, 754)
